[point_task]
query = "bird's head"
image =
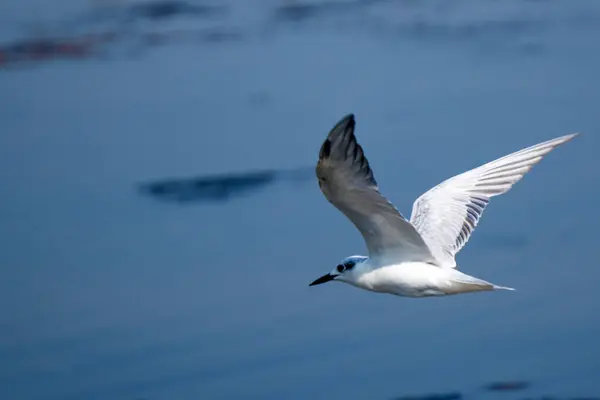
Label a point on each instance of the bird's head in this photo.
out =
(345, 271)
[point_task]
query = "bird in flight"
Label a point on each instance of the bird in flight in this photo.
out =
(416, 257)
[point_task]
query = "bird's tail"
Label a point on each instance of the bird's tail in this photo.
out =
(462, 283)
(496, 287)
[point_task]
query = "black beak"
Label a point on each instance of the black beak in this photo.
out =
(323, 279)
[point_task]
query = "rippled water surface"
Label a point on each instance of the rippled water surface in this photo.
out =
(160, 222)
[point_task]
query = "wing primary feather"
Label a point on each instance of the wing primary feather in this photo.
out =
(347, 181)
(447, 214)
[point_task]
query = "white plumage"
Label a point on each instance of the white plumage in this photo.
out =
(446, 215)
(413, 258)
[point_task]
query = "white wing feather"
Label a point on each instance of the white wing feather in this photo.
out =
(447, 214)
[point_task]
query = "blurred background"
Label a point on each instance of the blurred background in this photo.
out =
(160, 219)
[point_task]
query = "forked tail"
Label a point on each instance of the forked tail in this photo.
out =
(496, 287)
(463, 283)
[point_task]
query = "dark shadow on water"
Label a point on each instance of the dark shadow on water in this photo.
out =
(507, 386)
(438, 396)
(165, 9)
(494, 387)
(219, 188)
(304, 11)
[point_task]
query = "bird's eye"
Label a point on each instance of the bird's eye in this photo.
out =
(340, 268)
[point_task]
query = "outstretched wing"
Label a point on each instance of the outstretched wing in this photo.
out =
(447, 214)
(347, 181)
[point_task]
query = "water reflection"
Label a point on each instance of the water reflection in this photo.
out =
(507, 386)
(165, 9)
(220, 188)
(436, 396)
(499, 386)
(431, 22)
(300, 11)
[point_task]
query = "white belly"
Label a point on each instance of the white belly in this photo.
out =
(417, 279)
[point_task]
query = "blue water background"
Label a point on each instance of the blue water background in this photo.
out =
(108, 294)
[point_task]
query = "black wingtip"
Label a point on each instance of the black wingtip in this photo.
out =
(349, 119)
(325, 149)
(344, 124)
